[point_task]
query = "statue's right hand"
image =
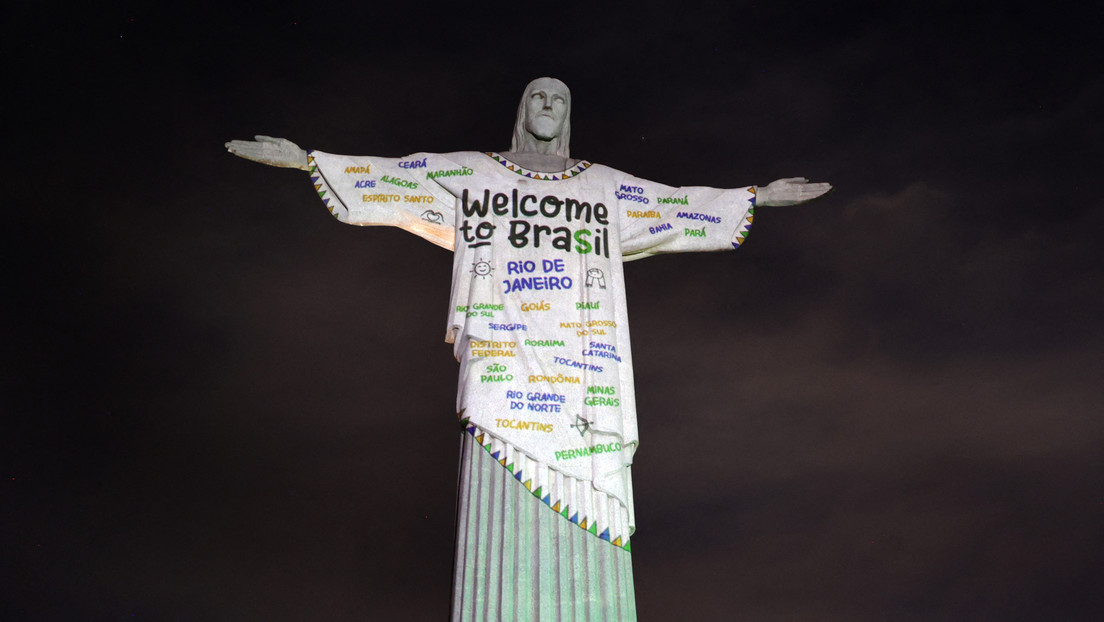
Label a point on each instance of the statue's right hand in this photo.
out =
(270, 151)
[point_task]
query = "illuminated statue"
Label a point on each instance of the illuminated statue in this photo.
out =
(538, 322)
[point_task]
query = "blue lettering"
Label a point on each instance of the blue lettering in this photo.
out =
(699, 216)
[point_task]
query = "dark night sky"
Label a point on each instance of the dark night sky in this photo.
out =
(220, 404)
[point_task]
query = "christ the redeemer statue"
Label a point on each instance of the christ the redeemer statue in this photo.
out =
(538, 322)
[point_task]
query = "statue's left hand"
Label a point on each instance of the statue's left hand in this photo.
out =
(271, 151)
(789, 191)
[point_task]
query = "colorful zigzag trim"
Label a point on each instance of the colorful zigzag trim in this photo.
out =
(524, 172)
(745, 226)
(586, 523)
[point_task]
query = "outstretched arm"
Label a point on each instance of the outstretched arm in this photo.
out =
(271, 151)
(789, 191)
(663, 219)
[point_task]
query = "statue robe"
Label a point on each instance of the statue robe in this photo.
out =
(539, 325)
(537, 315)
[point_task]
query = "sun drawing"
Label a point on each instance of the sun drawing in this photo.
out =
(481, 268)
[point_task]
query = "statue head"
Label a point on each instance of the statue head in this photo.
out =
(544, 119)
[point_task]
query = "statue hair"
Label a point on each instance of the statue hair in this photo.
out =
(562, 142)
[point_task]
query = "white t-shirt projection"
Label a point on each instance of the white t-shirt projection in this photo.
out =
(537, 314)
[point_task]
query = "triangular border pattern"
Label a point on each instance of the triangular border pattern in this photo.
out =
(322, 187)
(744, 227)
(558, 176)
(586, 524)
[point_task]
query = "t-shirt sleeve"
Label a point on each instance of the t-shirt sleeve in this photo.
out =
(398, 192)
(656, 218)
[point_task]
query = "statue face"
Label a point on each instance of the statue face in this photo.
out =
(546, 108)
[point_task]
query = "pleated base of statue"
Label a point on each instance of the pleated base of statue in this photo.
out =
(518, 560)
